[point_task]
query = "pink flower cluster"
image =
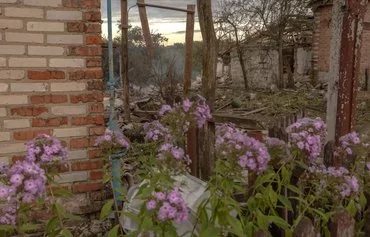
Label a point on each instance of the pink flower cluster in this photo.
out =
(345, 183)
(45, 149)
(250, 153)
(155, 131)
(171, 151)
(112, 140)
(169, 206)
(307, 135)
(347, 141)
(202, 112)
(25, 181)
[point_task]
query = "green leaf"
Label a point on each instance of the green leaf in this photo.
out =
(132, 216)
(147, 223)
(236, 226)
(210, 231)
(52, 224)
(114, 232)
(66, 233)
(351, 208)
(60, 210)
(280, 222)
(29, 227)
(286, 202)
(6, 228)
(106, 209)
(272, 195)
(363, 201)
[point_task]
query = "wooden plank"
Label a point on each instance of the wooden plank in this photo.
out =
(343, 225)
(146, 30)
(189, 38)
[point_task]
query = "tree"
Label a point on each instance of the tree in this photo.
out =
(278, 20)
(235, 25)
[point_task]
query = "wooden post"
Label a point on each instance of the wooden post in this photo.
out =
(146, 30)
(343, 225)
(189, 49)
(207, 142)
(124, 60)
(344, 66)
(305, 228)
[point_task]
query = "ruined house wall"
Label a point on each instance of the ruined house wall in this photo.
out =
(322, 39)
(262, 68)
(50, 82)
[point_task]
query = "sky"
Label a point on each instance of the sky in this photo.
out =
(171, 24)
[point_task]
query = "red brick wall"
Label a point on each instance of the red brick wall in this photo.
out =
(51, 82)
(322, 39)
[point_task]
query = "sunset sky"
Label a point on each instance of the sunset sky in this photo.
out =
(171, 24)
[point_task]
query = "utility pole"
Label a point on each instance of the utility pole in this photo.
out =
(124, 60)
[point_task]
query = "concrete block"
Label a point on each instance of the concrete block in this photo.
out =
(45, 26)
(64, 15)
(45, 50)
(71, 132)
(12, 148)
(17, 123)
(29, 87)
(24, 12)
(24, 37)
(66, 62)
(68, 86)
(27, 62)
(68, 110)
(64, 39)
(11, 24)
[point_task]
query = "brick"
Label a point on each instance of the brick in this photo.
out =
(72, 177)
(69, 110)
(72, 3)
(24, 12)
(17, 123)
(4, 136)
(77, 155)
(92, 16)
(94, 62)
(8, 1)
(90, 120)
(12, 49)
(97, 108)
(45, 75)
(43, 3)
(93, 28)
(93, 40)
(76, 27)
(76, 75)
(96, 131)
(45, 26)
(45, 50)
(29, 135)
(27, 62)
(94, 74)
(17, 158)
(87, 187)
(3, 112)
(85, 51)
(13, 99)
(12, 148)
(64, 39)
(70, 132)
(24, 37)
(2, 62)
(11, 24)
(4, 87)
(87, 165)
(64, 15)
(29, 87)
(68, 86)
(95, 85)
(91, 3)
(49, 99)
(61, 62)
(96, 175)
(28, 111)
(11, 74)
(49, 122)
(85, 98)
(81, 143)
(93, 154)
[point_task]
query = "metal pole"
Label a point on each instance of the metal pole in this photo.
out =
(112, 122)
(165, 7)
(124, 60)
